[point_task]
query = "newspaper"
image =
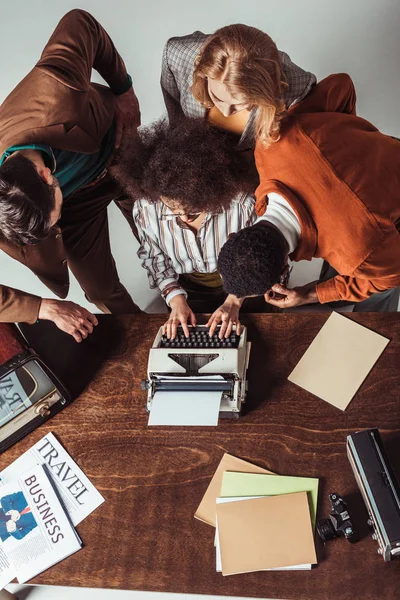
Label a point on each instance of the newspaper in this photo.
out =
(35, 531)
(7, 572)
(78, 494)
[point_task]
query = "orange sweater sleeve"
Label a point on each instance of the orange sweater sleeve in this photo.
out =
(379, 272)
(353, 289)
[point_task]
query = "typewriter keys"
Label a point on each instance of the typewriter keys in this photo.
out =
(199, 338)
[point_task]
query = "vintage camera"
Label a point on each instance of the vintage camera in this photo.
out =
(338, 524)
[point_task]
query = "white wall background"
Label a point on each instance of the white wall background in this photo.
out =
(360, 37)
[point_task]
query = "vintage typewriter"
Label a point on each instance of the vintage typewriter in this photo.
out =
(379, 488)
(200, 363)
(29, 392)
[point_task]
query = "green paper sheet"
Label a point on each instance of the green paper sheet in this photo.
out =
(255, 484)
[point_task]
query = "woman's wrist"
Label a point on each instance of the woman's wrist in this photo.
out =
(178, 300)
(234, 300)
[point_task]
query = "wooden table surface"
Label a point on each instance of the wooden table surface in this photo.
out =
(144, 536)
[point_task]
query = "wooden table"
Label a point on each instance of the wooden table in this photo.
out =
(144, 536)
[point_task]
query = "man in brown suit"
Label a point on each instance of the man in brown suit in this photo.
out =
(58, 134)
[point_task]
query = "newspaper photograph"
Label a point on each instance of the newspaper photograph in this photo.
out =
(78, 494)
(35, 532)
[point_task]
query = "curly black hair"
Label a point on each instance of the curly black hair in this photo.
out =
(193, 164)
(252, 260)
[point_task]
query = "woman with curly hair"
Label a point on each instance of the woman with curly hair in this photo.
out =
(236, 78)
(192, 191)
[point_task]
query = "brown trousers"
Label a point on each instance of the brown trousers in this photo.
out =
(86, 239)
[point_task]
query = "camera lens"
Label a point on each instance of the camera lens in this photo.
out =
(326, 530)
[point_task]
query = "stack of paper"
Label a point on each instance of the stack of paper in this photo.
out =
(263, 521)
(43, 494)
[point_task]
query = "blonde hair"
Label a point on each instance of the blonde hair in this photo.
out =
(247, 61)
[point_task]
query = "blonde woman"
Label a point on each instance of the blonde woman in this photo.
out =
(236, 78)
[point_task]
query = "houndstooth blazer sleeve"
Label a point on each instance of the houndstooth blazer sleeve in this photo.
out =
(177, 77)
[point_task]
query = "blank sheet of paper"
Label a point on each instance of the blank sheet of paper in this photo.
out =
(338, 360)
(265, 533)
(306, 567)
(206, 510)
(185, 408)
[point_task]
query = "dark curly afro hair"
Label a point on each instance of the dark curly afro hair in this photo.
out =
(252, 260)
(193, 164)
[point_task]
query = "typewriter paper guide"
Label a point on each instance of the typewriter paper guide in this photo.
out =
(338, 360)
(206, 510)
(265, 533)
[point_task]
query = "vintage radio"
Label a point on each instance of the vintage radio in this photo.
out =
(29, 392)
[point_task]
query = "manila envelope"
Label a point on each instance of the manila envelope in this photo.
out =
(265, 533)
(262, 484)
(206, 509)
(338, 360)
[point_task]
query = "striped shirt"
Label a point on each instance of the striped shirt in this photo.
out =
(168, 249)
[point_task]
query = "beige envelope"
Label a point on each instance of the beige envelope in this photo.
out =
(338, 360)
(265, 533)
(206, 509)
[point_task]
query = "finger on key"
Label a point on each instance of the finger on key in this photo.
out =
(185, 327)
(229, 328)
(238, 327)
(213, 327)
(169, 330)
(223, 329)
(174, 328)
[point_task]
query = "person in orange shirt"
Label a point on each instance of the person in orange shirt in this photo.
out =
(329, 188)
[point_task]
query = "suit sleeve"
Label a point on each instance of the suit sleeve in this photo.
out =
(169, 87)
(335, 93)
(78, 44)
(16, 305)
(14, 501)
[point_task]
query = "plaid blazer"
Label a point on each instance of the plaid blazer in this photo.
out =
(177, 78)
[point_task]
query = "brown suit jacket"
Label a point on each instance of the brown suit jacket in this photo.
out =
(56, 104)
(342, 177)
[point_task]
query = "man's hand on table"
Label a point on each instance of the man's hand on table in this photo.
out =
(284, 297)
(69, 317)
(180, 314)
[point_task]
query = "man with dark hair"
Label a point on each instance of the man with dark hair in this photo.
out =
(58, 133)
(329, 188)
